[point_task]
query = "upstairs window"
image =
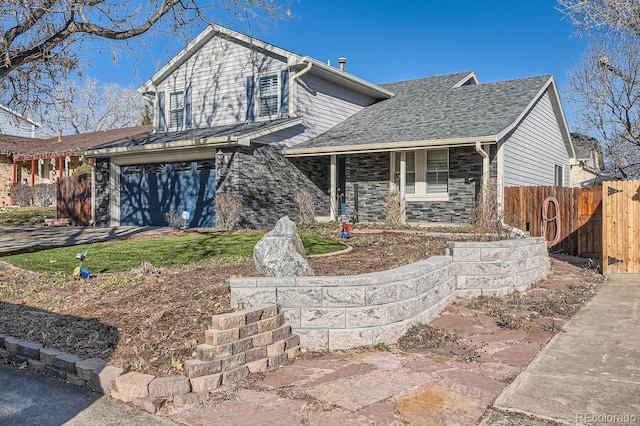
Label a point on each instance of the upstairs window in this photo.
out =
(176, 110)
(437, 171)
(268, 94)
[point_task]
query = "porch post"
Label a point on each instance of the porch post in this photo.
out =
(403, 175)
(333, 183)
(14, 178)
(33, 172)
(60, 169)
(500, 178)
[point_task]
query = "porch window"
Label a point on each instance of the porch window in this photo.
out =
(437, 171)
(176, 110)
(268, 93)
(410, 171)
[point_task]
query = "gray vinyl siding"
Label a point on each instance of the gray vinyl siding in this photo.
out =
(10, 124)
(217, 74)
(322, 104)
(534, 148)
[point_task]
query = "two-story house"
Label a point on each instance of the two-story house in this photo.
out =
(235, 114)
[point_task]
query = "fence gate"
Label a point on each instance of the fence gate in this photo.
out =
(621, 226)
(74, 199)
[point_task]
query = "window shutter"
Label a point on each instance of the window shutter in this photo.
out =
(162, 122)
(250, 108)
(284, 93)
(187, 107)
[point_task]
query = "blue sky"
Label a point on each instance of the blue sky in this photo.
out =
(387, 41)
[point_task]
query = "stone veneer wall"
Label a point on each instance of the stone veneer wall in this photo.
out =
(268, 183)
(102, 192)
(349, 311)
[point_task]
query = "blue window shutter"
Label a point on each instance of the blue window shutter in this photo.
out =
(250, 108)
(162, 122)
(284, 95)
(187, 108)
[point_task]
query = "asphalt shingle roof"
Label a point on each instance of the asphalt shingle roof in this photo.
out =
(432, 109)
(238, 130)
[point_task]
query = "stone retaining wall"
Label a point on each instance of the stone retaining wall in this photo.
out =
(238, 343)
(349, 311)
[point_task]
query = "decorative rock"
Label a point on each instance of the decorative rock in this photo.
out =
(12, 344)
(197, 368)
(48, 355)
(104, 380)
(280, 252)
(66, 362)
(169, 386)
(30, 350)
(134, 385)
(235, 375)
(85, 368)
(206, 383)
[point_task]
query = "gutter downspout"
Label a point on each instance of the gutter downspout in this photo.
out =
(485, 165)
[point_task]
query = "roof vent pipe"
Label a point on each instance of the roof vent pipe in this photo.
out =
(59, 135)
(342, 62)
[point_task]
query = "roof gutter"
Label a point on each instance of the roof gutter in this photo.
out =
(164, 146)
(387, 146)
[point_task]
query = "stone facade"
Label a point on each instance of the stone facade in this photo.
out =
(101, 192)
(367, 182)
(465, 181)
(349, 311)
(268, 184)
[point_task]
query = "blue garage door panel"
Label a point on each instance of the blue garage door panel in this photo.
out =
(149, 191)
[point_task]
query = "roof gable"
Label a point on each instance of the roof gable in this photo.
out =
(438, 108)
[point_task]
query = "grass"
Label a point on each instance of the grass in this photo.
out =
(160, 252)
(26, 216)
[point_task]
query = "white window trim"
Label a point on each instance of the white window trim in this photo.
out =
(420, 171)
(168, 110)
(258, 98)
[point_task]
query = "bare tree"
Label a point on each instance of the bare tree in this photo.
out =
(93, 108)
(44, 41)
(605, 94)
(597, 16)
(605, 88)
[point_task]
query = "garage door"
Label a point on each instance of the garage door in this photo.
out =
(148, 192)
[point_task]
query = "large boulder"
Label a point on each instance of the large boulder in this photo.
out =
(280, 252)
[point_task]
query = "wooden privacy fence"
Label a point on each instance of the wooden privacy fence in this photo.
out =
(621, 230)
(580, 211)
(74, 199)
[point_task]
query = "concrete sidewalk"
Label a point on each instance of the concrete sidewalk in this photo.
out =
(16, 239)
(589, 374)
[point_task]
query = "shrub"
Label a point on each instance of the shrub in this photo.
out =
(22, 195)
(485, 215)
(83, 169)
(228, 210)
(174, 219)
(44, 194)
(393, 206)
(306, 208)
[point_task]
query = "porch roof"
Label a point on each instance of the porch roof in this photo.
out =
(433, 111)
(235, 134)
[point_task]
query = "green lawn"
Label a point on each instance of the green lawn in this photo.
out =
(160, 252)
(26, 216)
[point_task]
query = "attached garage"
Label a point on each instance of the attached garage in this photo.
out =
(150, 192)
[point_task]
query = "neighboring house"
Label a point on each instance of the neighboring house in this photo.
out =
(14, 124)
(234, 114)
(588, 169)
(32, 161)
